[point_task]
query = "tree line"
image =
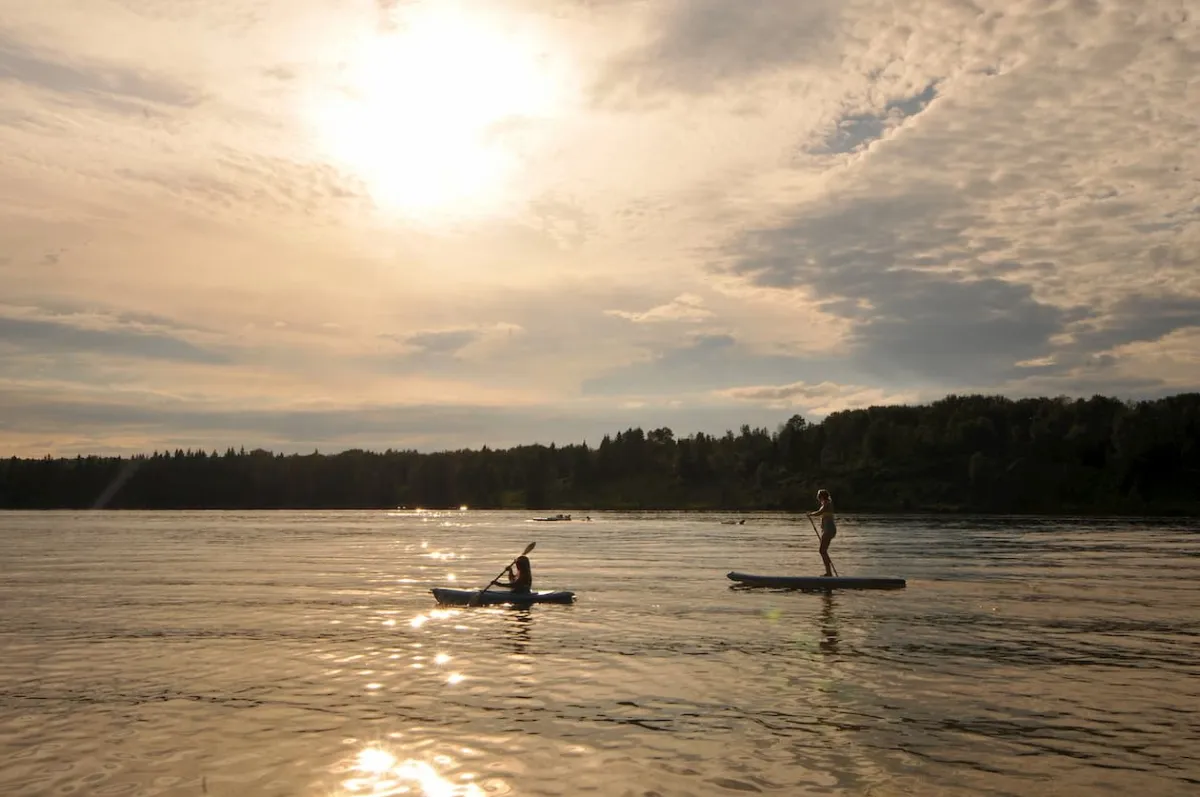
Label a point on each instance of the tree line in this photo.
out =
(971, 453)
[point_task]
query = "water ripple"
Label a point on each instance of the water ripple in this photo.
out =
(283, 653)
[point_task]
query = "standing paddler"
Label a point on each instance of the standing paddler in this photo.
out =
(828, 527)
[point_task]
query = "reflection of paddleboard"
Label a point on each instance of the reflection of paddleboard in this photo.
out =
(462, 597)
(817, 582)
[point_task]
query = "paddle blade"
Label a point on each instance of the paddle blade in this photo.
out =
(528, 548)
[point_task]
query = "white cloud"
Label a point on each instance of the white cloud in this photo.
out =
(685, 307)
(819, 399)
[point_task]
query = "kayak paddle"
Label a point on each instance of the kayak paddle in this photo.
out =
(814, 525)
(475, 601)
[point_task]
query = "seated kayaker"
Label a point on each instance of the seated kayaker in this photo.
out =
(522, 580)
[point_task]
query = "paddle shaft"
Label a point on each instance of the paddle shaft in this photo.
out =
(814, 525)
(525, 552)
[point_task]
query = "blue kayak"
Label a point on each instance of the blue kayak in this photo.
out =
(463, 597)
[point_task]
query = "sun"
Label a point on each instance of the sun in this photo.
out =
(437, 114)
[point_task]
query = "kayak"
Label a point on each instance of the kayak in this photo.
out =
(817, 582)
(463, 597)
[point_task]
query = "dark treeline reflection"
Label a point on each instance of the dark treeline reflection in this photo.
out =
(962, 453)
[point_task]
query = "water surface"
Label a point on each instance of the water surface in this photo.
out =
(300, 653)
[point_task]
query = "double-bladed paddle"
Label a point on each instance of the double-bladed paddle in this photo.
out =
(479, 596)
(814, 525)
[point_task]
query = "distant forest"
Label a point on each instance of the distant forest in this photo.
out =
(960, 454)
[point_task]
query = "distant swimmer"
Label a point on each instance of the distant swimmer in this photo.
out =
(828, 527)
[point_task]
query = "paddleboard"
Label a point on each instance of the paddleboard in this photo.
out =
(817, 582)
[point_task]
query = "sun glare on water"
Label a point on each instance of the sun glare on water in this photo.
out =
(378, 773)
(431, 115)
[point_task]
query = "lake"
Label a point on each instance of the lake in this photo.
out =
(301, 654)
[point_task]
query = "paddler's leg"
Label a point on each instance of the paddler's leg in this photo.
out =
(827, 538)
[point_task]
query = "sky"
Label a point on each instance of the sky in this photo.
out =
(333, 224)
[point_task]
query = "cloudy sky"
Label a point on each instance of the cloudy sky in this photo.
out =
(327, 224)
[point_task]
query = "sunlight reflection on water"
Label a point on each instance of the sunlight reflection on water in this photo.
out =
(381, 774)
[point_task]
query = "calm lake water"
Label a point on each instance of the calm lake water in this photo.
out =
(300, 653)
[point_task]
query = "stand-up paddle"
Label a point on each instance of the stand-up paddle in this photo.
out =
(814, 525)
(479, 597)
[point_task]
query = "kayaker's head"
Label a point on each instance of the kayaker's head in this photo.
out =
(523, 565)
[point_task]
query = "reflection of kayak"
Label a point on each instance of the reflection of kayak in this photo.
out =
(462, 597)
(817, 582)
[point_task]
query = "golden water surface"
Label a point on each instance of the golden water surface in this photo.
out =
(293, 653)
